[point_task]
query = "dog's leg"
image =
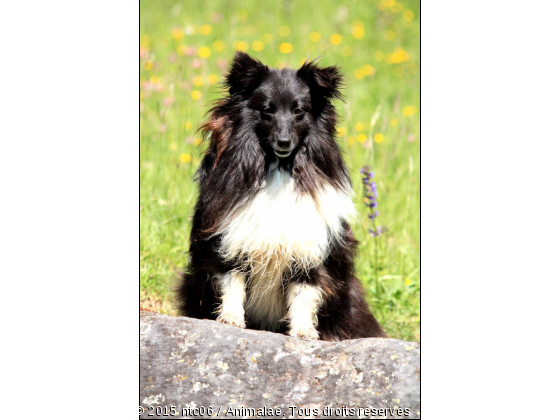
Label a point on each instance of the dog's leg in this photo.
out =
(232, 288)
(304, 301)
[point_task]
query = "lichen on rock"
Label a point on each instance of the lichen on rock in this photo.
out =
(186, 363)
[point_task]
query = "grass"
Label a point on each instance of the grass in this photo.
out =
(184, 50)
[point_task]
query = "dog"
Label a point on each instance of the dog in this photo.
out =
(271, 246)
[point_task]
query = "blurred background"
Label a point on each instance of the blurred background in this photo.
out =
(185, 48)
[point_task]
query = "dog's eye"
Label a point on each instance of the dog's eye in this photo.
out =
(299, 113)
(266, 113)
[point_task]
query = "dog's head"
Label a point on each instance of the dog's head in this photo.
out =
(282, 105)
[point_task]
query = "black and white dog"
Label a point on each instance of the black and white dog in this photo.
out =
(271, 246)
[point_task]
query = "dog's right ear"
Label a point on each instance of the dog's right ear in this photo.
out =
(245, 74)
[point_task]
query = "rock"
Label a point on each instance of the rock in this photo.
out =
(194, 368)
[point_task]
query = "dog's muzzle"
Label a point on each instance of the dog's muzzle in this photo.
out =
(283, 147)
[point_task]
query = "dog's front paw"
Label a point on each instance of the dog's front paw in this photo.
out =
(232, 319)
(305, 333)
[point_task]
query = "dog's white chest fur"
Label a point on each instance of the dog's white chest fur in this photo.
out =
(280, 232)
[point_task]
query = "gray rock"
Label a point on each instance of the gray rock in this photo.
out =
(194, 368)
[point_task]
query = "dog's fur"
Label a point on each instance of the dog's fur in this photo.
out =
(271, 246)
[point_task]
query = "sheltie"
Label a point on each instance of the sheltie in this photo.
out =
(271, 246)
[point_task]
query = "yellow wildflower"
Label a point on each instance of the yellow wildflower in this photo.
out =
(148, 65)
(241, 14)
(204, 52)
(399, 56)
(336, 39)
(341, 131)
(213, 79)
(172, 146)
(154, 80)
(286, 47)
(241, 45)
(206, 29)
(409, 111)
(258, 46)
(197, 141)
(407, 282)
(358, 32)
(196, 95)
(314, 36)
(284, 31)
(394, 122)
(362, 138)
(198, 81)
(267, 38)
(408, 15)
(397, 7)
(218, 45)
(185, 158)
(384, 4)
(368, 69)
(378, 138)
(188, 125)
(359, 127)
(177, 34)
(359, 74)
(144, 41)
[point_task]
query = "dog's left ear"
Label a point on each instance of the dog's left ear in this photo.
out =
(245, 73)
(323, 81)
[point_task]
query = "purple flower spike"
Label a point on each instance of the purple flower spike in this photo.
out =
(370, 199)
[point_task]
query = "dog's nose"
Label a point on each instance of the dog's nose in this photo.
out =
(283, 143)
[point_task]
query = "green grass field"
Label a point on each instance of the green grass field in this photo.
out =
(185, 47)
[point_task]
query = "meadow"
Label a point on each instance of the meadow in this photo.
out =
(185, 48)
